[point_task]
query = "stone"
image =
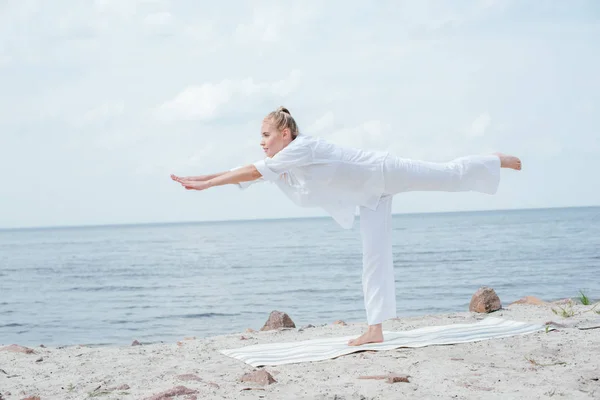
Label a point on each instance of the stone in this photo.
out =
(15, 348)
(393, 378)
(176, 391)
(32, 398)
(305, 327)
(250, 330)
(136, 343)
(340, 322)
(189, 377)
(485, 300)
(261, 377)
(278, 320)
(40, 359)
(529, 300)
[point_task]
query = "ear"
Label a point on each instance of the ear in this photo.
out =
(285, 133)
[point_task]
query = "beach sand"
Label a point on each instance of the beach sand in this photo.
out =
(564, 363)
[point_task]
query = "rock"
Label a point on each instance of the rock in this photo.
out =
(191, 397)
(306, 327)
(136, 343)
(278, 320)
(250, 330)
(32, 398)
(397, 378)
(15, 348)
(176, 391)
(4, 372)
(42, 346)
(340, 322)
(189, 377)
(485, 300)
(261, 377)
(39, 359)
(529, 300)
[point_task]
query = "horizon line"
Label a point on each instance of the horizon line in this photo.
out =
(108, 225)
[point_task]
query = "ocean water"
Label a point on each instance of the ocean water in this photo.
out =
(113, 284)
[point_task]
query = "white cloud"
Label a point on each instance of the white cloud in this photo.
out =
(102, 112)
(205, 101)
(326, 121)
(160, 18)
(480, 125)
(273, 22)
(372, 134)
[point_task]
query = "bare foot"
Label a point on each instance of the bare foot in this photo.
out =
(507, 161)
(373, 335)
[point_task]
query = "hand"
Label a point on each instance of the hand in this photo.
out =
(182, 179)
(199, 185)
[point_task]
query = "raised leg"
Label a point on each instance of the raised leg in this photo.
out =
(379, 288)
(471, 173)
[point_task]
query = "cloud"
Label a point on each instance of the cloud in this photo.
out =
(326, 121)
(369, 135)
(480, 125)
(102, 113)
(273, 22)
(160, 18)
(204, 102)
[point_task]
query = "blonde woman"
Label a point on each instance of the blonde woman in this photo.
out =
(313, 172)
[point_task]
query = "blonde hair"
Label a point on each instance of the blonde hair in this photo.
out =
(282, 119)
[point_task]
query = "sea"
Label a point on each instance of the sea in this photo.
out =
(110, 285)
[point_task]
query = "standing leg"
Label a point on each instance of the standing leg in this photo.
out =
(471, 173)
(379, 287)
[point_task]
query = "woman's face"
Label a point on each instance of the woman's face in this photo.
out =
(272, 140)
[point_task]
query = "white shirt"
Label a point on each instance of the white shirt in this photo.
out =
(313, 172)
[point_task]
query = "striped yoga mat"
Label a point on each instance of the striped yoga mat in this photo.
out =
(324, 349)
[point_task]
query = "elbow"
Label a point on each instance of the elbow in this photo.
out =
(254, 173)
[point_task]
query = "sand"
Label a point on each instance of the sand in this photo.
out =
(564, 363)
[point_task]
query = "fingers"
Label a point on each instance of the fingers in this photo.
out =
(178, 179)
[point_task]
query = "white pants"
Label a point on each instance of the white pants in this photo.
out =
(472, 173)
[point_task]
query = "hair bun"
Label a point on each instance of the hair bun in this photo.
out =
(284, 110)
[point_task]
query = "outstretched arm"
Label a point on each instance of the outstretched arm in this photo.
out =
(196, 178)
(235, 176)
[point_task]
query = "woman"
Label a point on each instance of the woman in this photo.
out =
(315, 173)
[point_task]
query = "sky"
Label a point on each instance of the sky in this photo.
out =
(101, 100)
